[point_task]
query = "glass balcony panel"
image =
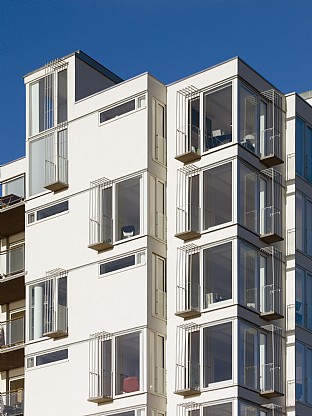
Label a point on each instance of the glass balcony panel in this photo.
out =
(12, 332)
(12, 403)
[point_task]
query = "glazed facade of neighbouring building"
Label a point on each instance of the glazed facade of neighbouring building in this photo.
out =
(156, 246)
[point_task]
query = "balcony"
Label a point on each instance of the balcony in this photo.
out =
(188, 377)
(12, 338)
(56, 174)
(56, 322)
(102, 385)
(270, 225)
(56, 160)
(12, 403)
(188, 144)
(188, 222)
(12, 274)
(12, 208)
(101, 233)
(188, 135)
(271, 147)
(270, 380)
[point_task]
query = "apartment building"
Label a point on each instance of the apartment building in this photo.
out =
(156, 246)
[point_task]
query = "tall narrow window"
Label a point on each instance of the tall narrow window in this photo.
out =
(41, 105)
(62, 96)
(248, 119)
(300, 215)
(218, 195)
(300, 128)
(217, 274)
(128, 208)
(159, 133)
(128, 363)
(194, 132)
(218, 118)
(217, 352)
(159, 289)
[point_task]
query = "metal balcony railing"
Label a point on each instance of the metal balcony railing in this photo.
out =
(270, 223)
(188, 221)
(12, 261)
(56, 321)
(270, 380)
(56, 173)
(271, 300)
(188, 143)
(271, 146)
(188, 379)
(12, 403)
(101, 233)
(12, 332)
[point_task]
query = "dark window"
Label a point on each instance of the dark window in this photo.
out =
(53, 210)
(117, 264)
(52, 357)
(117, 111)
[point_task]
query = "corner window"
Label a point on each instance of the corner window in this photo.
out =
(115, 358)
(204, 278)
(206, 357)
(211, 186)
(217, 118)
(116, 211)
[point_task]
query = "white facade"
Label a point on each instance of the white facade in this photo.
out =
(156, 246)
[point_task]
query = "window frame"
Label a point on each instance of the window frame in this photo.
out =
(139, 104)
(138, 262)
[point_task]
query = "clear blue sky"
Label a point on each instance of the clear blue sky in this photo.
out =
(169, 38)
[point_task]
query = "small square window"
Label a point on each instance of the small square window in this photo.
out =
(31, 218)
(141, 101)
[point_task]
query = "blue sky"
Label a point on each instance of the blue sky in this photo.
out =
(169, 38)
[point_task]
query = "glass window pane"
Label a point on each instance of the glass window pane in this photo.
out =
(217, 274)
(37, 166)
(299, 371)
(15, 187)
(52, 210)
(299, 296)
(128, 208)
(117, 264)
(299, 221)
(193, 359)
(37, 298)
(249, 278)
(62, 96)
(52, 357)
(193, 289)
(224, 409)
(218, 118)
(128, 363)
(308, 227)
(248, 198)
(248, 356)
(117, 111)
(218, 195)
(308, 301)
(194, 125)
(217, 353)
(300, 146)
(248, 119)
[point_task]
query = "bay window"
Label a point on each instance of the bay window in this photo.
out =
(204, 278)
(204, 357)
(204, 199)
(115, 365)
(261, 202)
(260, 357)
(116, 211)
